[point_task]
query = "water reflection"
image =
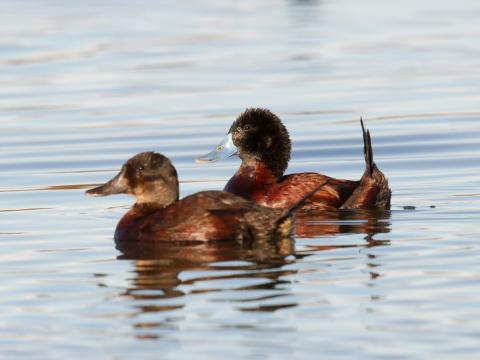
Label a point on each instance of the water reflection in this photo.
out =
(158, 285)
(369, 222)
(157, 266)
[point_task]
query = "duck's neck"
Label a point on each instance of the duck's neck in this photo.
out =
(257, 171)
(130, 224)
(146, 207)
(155, 199)
(252, 174)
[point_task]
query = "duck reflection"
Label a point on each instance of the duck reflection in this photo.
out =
(160, 280)
(368, 222)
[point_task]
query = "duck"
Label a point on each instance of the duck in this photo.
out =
(262, 142)
(158, 214)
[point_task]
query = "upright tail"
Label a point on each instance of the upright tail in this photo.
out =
(373, 191)
(367, 150)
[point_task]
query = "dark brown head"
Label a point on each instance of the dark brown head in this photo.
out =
(148, 176)
(259, 134)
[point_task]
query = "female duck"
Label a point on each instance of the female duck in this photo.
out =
(158, 214)
(262, 142)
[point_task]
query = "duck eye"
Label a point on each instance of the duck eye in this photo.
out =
(246, 127)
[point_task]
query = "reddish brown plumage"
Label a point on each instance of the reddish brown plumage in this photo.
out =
(256, 183)
(372, 193)
(204, 216)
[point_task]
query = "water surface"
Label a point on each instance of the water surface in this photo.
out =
(84, 86)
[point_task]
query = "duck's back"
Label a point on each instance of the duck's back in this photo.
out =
(292, 187)
(204, 216)
(289, 189)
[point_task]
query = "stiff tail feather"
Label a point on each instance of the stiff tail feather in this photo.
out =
(373, 191)
(367, 149)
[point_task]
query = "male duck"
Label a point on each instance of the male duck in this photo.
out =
(262, 142)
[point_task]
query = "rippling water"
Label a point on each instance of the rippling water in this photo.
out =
(85, 85)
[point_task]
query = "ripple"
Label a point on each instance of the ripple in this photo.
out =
(82, 90)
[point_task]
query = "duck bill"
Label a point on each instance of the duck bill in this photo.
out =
(223, 151)
(118, 185)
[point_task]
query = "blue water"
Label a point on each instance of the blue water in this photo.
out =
(86, 85)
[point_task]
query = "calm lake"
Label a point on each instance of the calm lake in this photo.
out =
(84, 85)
